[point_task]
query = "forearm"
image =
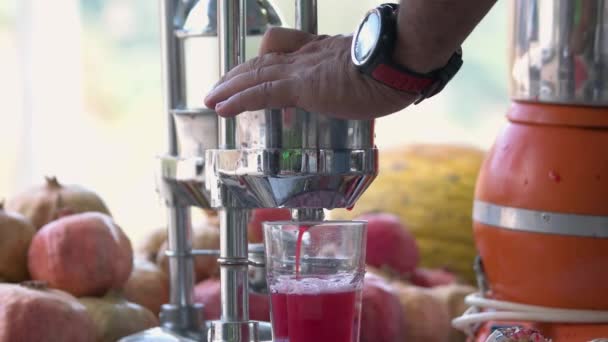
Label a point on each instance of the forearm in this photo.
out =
(430, 31)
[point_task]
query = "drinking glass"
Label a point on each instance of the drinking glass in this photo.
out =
(315, 275)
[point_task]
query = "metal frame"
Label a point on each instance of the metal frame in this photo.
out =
(302, 161)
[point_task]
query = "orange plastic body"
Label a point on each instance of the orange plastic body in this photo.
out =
(559, 166)
(556, 332)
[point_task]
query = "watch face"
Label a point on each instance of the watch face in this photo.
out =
(367, 38)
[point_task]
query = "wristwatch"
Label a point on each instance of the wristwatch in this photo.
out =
(372, 53)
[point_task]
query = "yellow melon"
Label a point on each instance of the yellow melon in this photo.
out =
(431, 188)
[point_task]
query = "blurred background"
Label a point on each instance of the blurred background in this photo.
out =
(80, 88)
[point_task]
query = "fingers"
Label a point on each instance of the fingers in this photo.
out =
(284, 40)
(273, 94)
(246, 80)
(266, 68)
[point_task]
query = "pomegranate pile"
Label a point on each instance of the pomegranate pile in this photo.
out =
(69, 273)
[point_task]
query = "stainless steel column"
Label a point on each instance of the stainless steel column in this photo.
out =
(234, 325)
(231, 33)
(306, 15)
(234, 262)
(181, 315)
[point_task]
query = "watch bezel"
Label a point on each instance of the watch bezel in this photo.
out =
(384, 34)
(373, 50)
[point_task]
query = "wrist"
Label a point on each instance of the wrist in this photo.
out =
(418, 48)
(419, 58)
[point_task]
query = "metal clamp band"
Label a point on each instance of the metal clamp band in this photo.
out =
(233, 261)
(194, 252)
(540, 221)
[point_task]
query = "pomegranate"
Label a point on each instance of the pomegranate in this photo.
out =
(151, 244)
(427, 318)
(115, 318)
(255, 232)
(44, 203)
(452, 297)
(381, 314)
(390, 246)
(147, 286)
(426, 277)
(516, 335)
(203, 237)
(31, 312)
(84, 254)
(208, 293)
(15, 236)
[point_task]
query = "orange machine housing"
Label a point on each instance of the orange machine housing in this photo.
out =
(550, 158)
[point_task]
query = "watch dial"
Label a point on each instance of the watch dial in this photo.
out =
(367, 37)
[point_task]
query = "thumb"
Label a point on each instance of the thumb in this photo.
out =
(284, 40)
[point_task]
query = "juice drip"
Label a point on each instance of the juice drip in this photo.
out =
(301, 231)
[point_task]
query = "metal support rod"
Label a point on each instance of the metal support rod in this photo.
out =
(306, 15)
(231, 33)
(234, 262)
(181, 315)
(170, 69)
(181, 266)
(233, 222)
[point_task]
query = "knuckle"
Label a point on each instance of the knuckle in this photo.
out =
(266, 89)
(271, 34)
(258, 74)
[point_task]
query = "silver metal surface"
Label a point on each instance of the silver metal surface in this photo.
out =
(184, 320)
(294, 129)
(231, 19)
(308, 214)
(182, 315)
(200, 49)
(298, 178)
(233, 267)
(270, 158)
(306, 15)
(196, 131)
(194, 252)
(221, 331)
(181, 181)
(559, 51)
(257, 269)
(160, 335)
(540, 221)
(173, 14)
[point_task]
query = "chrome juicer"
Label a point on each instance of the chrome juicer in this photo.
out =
(286, 158)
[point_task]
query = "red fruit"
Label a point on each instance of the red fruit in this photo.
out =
(44, 203)
(427, 318)
(207, 292)
(147, 286)
(389, 244)
(16, 233)
(381, 312)
(84, 254)
(516, 335)
(31, 312)
(259, 216)
(426, 277)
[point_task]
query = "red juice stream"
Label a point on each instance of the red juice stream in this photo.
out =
(301, 231)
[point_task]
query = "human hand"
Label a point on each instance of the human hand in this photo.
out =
(298, 69)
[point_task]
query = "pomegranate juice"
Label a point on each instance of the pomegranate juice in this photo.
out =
(301, 231)
(314, 310)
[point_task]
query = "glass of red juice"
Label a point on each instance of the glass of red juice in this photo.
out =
(315, 275)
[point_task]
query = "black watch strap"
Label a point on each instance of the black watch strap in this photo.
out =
(385, 70)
